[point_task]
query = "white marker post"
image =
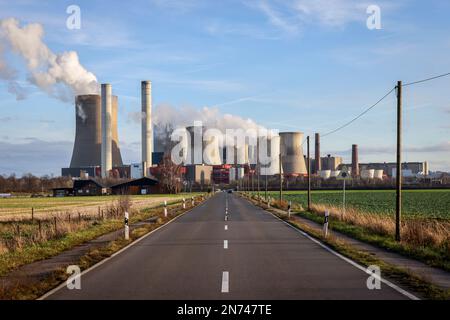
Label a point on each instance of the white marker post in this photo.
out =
(165, 208)
(193, 202)
(325, 223)
(289, 210)
(184, 203)
(127, 228)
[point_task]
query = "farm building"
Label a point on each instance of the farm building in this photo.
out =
(62, 192)
(137, 186)
(88, 188)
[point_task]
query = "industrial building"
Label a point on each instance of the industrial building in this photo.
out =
(389, 168)
(141, 186)
(330, 163)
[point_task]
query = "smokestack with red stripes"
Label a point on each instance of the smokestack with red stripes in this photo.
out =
(355, 162)
(317, 164)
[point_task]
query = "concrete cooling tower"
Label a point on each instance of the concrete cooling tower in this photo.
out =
(88, 135)
(292, 159)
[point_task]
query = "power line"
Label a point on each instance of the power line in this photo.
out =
(425, 80)
(360, 115)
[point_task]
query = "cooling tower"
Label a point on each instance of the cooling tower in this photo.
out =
(88, 133)
(292, 159)
(147, 132)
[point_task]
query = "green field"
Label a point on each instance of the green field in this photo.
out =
(416, 203)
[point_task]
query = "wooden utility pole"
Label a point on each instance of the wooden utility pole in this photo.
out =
(398, 211)
(281, 180)
(308, 160)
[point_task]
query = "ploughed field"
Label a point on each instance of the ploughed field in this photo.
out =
(433, 204)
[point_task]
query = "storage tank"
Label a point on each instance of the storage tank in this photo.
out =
(325, 174)
(368, 173)
(335, 173)
(379, 174)
(292, 159)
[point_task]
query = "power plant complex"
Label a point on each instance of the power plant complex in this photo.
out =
(96, 151)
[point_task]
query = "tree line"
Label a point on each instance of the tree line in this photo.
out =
(29, 183)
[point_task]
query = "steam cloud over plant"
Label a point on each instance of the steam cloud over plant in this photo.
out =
(61, 75)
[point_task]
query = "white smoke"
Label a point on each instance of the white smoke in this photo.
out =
(166, 118)
(59, 74)
(165, 114)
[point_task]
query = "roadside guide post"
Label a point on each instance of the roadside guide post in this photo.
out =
(325, 223)
(289, 210)
(165, 208)
(127, 228)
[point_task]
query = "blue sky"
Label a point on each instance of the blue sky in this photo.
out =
(287, 64)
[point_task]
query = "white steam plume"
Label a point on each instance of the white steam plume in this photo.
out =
(59, 74)
(166, 118)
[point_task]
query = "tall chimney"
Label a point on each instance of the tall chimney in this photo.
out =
(355, 162)
(106, 130)
(317, 164)
(147, 134)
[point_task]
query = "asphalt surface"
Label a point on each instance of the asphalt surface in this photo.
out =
(200, 255)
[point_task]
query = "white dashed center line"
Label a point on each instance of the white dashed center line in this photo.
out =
(225, 244)
(225, 282)
(226, 227)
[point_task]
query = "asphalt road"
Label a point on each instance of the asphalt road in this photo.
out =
(200, 255)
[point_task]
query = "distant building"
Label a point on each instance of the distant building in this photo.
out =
(331, 163)
(389, 168)
(88, 187)
(221, 174)
(139, 186)
(62, 192)
(200, 174)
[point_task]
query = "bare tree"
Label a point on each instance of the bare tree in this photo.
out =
(169, 175)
